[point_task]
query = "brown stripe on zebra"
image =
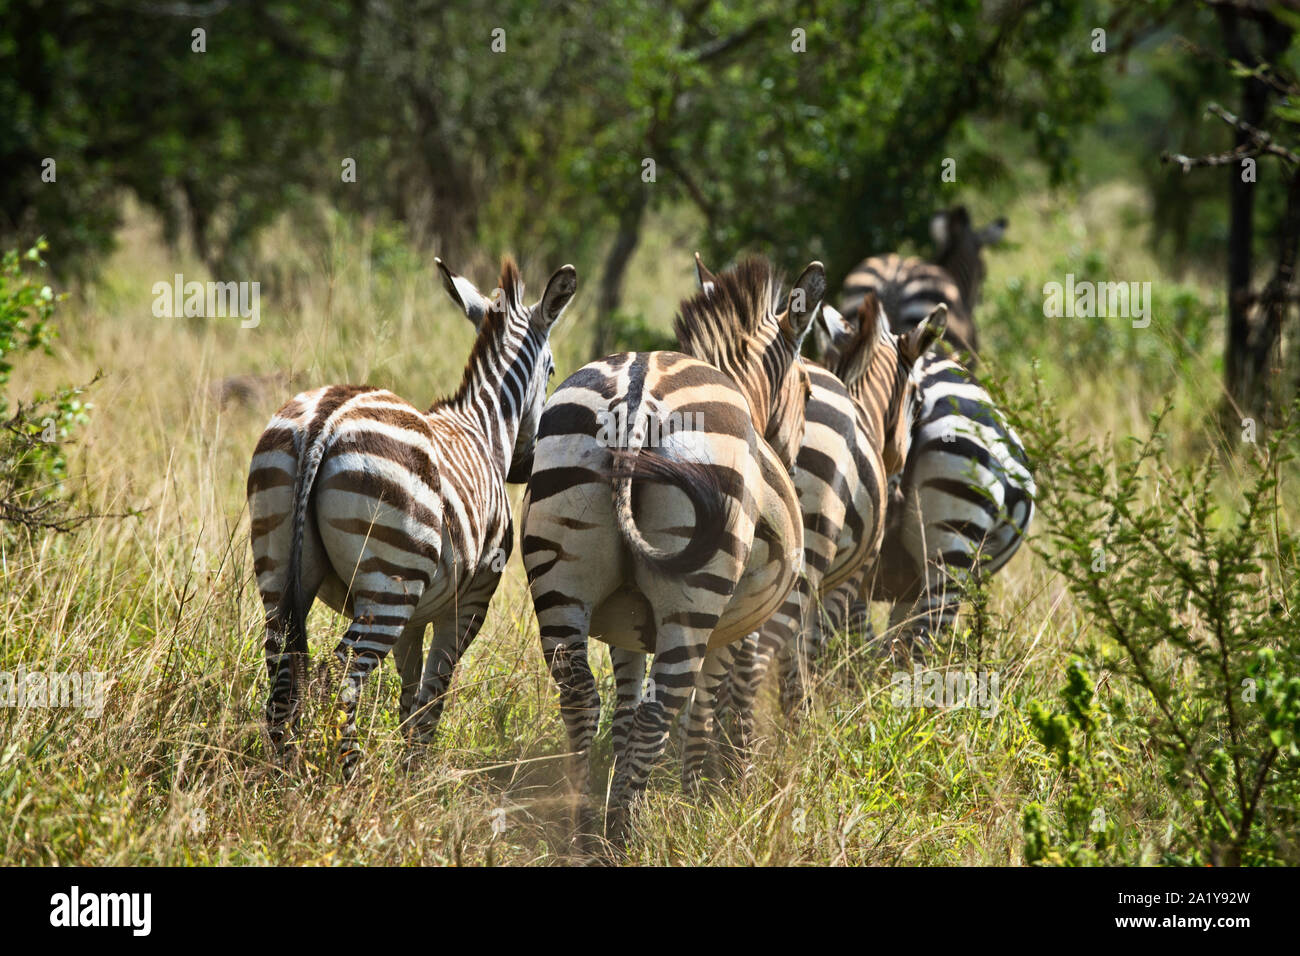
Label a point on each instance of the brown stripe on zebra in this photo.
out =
(396, 517)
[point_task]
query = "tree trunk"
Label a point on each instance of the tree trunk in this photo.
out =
(1276, 300)
(610, 295)
(1245, 362)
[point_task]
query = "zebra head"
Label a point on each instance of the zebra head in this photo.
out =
(779, 333)
(521, 337)
(958, 247)
(883, 370)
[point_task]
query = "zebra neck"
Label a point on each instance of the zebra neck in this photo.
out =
(493, 399)
(963, 269)
(759, 382)
(880, 390)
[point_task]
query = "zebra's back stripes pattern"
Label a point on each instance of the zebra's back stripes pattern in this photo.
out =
(395, 517)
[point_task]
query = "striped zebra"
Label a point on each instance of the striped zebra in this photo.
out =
(881, 374)
(396, 517)
(677, 550)
(909, 288)
(840, 481)
(959, 512)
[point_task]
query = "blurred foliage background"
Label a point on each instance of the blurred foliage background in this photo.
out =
(217, 137)
(813, 128)
(556, 131)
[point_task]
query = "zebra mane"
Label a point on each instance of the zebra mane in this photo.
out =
(492, 333)
(864, 344)
(722, 325)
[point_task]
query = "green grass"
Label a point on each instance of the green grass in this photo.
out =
(175, 771)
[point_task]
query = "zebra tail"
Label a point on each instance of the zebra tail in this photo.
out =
(292, 611)
(695, 480)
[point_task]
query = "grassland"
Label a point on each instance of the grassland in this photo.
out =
(162, 601)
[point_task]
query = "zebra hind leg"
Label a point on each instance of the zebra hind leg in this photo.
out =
(701, 739)
(629, 678)
(679, 654)
(285, 670)
(564, 627)
(375, 628)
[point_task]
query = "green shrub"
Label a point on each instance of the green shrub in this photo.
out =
(33, 436)
(1190, 582)
(1074, 737)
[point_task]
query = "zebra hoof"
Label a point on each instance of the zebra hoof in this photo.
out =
(617, 827)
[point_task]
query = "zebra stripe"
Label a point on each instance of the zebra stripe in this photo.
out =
(697, 542)
(880, 372)
(964, 505)
(398, 518)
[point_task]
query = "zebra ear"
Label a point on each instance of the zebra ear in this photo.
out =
(559, 291)
(947, 226)
(703, 276)
(939, 229)
(804, 302)
(917, 341)
(463, 293)
(837, 327)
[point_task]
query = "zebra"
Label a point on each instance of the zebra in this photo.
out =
(396, 517)
(840, 481)
(910, 288)
(676, 551)
(881, 373)
(957, 514)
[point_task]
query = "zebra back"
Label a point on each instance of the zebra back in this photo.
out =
(968, 477)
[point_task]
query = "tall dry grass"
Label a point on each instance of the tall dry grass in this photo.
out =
(175, 770)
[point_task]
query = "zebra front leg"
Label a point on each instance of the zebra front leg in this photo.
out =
(916, 625)
(753, 659)
(790, 623)
(408, 655)
(564, 624)
(701, 739)
(732, 752)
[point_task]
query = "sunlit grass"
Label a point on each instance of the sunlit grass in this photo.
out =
(175, 770)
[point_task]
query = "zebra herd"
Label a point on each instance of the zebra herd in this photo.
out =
(798, 493)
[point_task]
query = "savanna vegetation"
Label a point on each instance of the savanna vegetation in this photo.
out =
(1143, 640)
